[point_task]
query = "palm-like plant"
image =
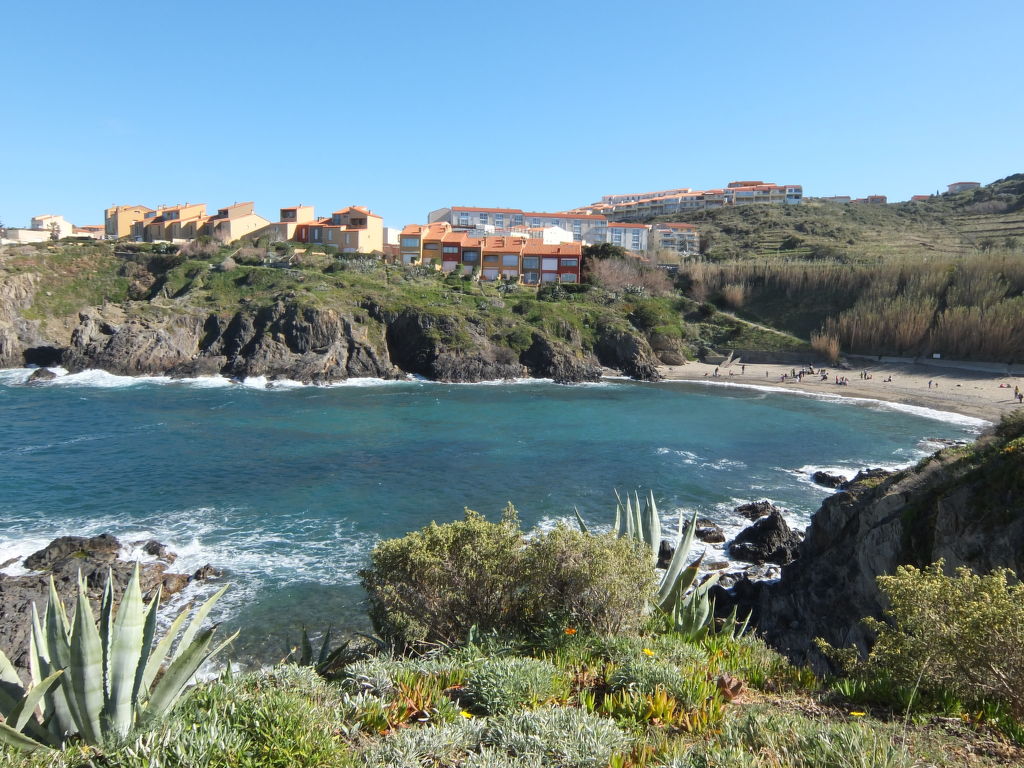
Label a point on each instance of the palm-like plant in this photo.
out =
(99, 679)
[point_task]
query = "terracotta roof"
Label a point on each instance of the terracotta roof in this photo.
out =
(504, 244)
(538, 248)
(358, 209)
(627, 226)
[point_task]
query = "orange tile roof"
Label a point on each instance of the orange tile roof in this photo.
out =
(358, 209)
(627, 226)
(538, 248)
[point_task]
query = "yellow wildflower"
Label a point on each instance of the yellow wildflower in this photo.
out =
(648, 652)
(858, 714)
(466, 715)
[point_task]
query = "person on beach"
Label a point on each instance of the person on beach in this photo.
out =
(743, 369)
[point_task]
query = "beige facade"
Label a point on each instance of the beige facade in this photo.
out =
(351, 230)
(234, 222)
(178, 222)
(50, 223)
(118, 219)
(17, 235)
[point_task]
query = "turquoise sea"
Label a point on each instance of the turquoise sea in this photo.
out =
(288, 488)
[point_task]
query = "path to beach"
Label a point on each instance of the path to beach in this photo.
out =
(969, 393)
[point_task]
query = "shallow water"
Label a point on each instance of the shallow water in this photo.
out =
(288, 488)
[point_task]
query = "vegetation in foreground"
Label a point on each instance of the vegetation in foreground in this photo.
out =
(578, 667)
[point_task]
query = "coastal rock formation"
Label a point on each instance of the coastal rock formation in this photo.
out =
(564, 363)
(64, 559)
(629, 352)
(827, 479)
(769, 540)
(965, 506)
(755, 510)
(16, 333)
(709, 532)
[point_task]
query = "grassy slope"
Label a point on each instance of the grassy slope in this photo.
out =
(948, 224)
(74, 276)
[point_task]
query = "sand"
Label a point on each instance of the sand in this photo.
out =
(965, 392)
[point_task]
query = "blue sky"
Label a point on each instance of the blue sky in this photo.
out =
(406, 106)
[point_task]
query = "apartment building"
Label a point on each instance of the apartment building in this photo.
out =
(351, 230)
(585, 228)
(632, 237)
(508, 257)
(961, 186)
(171, 223)
(669, 201)
(234, 222)
(118, 219)
(49, 223)
(677, 237)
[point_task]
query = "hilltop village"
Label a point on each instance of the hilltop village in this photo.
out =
(508, 244)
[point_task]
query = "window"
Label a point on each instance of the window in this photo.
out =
(531, 277)
(431, 246)
(463, 219)
(570, 262)
(517, 219)
(471, 257)
(510, 260)
(531, 262)
(617, 239)
(576, 227)
(491, 258)
(569, 278)
(450, 249)
(410, 242)
(550, 277)
(499, 219)
(490, 274)
(550, 265)
(483, 218)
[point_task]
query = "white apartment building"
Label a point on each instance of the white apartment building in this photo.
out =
(676, 237)
(585, 228)
(49, 222)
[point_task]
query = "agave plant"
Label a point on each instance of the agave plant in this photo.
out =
(99, 679)
(689, 612)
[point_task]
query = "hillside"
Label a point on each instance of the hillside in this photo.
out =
(315, 316)
(954, 225)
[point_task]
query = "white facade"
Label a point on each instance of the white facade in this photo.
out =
(49, 221)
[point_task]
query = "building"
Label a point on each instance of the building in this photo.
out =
(920, 198)
(632, 237)
(170, 223)
(873, 200)
(669, 201)
(118, 219)
(95, 231)
(351, 230)
(585, 228)
(836, 199)
(961, 186)
(677, 237)
(22, 235)
(51, 223)
(234, 222)
(493, 257)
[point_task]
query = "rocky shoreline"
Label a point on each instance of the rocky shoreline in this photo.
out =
(94, 558)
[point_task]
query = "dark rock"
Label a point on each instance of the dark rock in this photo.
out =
(665, 552)
(102, 549)
(769, 540)
(557, 360)
(627, 351)
(206, 572)
(872, 476)
(827, 479)
(756, 509)
(709, 532)
(156, 549)
(40, 375)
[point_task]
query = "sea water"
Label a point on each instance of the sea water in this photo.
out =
(287, 488)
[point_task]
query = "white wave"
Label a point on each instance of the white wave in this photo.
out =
(959, 419)
(685, 457)
(103, 380)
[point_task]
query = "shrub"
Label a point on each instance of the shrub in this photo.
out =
(567, 738)
(646, 675)
(825, 344)
(435, 584)
(428, 746)
(956, 635)
(503, 684)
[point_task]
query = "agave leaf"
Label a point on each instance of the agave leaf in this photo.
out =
(148, 633)
(58, 656)
(630, 523)
(159, 654)
(36, 648)
(106, 618)
(177, 676)
(619, 527)
(197, 621)
(19, 740)
(652, 530)
(21, 714)
(325, 649)
(306, 655)
(579, 521)
(86, 670)
(128, 633)
(675, 566)
(7, 672)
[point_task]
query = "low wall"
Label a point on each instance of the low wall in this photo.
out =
(1006, 369)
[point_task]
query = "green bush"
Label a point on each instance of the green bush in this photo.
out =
(436, 584)
(646, 675)
(504, 684)
(945, 636)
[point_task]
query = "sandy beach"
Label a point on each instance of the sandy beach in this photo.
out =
(966, 392)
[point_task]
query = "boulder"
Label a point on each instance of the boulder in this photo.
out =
(709, 532)
(40, 375)
(827, 479)
(769, 540)
(755, 510)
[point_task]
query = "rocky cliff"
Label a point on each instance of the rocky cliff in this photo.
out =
(964, 505)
